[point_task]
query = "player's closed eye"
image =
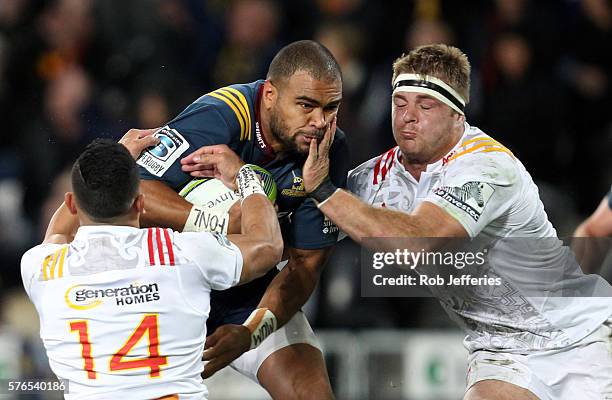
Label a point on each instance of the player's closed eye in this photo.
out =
(399, 103)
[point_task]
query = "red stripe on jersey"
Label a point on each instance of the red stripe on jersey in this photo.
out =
(160, 246)
(377, 168)
(169, 246)
(150, 245)
(392, 159)
(384, 158)
(385, 168)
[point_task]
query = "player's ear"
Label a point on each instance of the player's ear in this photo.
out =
(269, 94)
(459, 119)
(70, 202)
(139, 204)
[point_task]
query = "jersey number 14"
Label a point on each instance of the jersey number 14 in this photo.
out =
(154, 361)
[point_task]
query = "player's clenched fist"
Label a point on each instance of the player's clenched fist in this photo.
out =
(217, 161)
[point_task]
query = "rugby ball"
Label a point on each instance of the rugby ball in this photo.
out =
(212, 193)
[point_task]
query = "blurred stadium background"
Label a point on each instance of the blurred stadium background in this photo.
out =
(72, 70)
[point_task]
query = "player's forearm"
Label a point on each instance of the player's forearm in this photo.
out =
(289, 291)
(163, 206)
(259, 223)
(359, 220)
(62, 223)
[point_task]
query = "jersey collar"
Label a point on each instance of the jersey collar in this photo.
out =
(260, 139)
(95, 230)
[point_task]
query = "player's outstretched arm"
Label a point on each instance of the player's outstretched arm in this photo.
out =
(164, 207)
(360, 220)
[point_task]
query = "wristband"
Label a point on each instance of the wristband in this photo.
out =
(207, 219)
(324, 191)
(261, 323)
(248, 182)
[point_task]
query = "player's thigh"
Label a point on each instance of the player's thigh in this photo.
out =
(296, 372)
(492, 389)
(288, 363)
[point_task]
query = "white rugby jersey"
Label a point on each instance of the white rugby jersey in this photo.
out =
(123, 310)
(485, 188)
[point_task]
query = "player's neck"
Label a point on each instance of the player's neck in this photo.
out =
(120, 221)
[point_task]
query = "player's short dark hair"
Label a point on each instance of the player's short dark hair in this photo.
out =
(304, 55)
(105, 180)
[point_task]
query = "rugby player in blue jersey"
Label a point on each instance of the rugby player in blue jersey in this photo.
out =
(269, 123)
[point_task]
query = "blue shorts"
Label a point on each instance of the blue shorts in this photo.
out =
(234, 305)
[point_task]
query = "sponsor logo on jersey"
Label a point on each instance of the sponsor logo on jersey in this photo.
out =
(157, 160)
(297, 188)
(222, 199)
(85, 297)
(472, 197)
(329, 227)
(446, 159)
(259, 137)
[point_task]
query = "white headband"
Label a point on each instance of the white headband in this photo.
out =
(432, 86)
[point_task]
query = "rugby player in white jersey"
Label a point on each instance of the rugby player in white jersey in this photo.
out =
(446, 178)
(123, 310)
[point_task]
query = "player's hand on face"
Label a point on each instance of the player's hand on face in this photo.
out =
(224, 346)
(217, 161)
(316, 167)
(136, 140)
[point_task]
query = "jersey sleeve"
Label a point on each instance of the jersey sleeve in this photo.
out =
(309, 229)
(32, 263)
(219, 260)
(477, 189)
(197, 126)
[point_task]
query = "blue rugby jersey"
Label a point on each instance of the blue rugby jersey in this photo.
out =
(229, 115)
